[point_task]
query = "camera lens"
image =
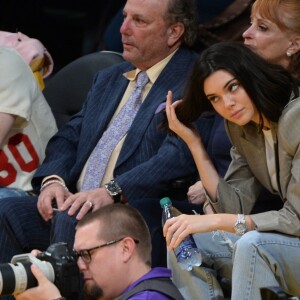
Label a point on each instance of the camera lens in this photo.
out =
(58, 263)
(16, 278)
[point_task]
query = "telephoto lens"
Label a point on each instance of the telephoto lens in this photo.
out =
(58, 263)
(16, 277)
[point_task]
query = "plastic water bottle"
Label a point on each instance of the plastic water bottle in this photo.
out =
(187, 254)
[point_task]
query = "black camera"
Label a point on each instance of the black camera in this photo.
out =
(58, 263)
(275, 293)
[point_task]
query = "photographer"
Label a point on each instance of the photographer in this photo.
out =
(113, 247)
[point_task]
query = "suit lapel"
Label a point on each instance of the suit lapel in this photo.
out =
(102, 108)
(169, 79)
(254, 145)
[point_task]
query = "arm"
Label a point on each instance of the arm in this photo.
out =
(207, 172)
(6, 124)
(15, 103)
(177, 228)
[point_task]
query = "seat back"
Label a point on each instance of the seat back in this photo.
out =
(68, 88)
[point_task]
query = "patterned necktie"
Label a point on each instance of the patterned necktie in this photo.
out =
(114, 133)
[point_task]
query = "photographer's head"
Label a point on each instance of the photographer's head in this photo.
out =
(114, 248)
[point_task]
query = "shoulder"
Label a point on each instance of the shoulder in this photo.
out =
(186, 53)
(184, 57)
(11, 60)
(13, 70)
(114, 72)
(149, 295)
(290, 114)
(289, 124)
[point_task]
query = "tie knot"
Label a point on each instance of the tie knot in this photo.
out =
(142, 79)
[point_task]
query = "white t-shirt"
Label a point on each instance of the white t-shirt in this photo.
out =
(23, 149)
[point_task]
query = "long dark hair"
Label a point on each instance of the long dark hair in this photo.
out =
(269, 86)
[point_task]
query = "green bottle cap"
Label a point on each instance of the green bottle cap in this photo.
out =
(164, 201)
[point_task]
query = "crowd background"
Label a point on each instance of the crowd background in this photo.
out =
(69, 29)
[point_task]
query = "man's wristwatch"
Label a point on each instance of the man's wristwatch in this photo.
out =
(240, 225)
(114, 190)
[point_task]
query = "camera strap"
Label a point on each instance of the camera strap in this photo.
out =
(162, 285)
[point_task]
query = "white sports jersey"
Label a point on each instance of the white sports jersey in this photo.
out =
(23, 149)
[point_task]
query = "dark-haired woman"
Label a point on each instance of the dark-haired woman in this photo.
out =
(260, 103)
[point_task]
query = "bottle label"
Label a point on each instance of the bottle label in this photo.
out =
(183, 250)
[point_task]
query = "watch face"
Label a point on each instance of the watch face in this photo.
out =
(240, 228)
(113, 188)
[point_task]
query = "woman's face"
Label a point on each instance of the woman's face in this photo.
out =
(229, 98)
(268, 40)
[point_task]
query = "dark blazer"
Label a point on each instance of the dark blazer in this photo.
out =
(149, 160)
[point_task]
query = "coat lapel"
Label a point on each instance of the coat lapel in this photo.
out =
(169, 79)
(254, 145)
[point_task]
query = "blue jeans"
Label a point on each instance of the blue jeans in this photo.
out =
(11, 192)
(258, 259)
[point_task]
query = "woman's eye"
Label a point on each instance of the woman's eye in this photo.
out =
(233, 87)
(262, 28)
(213, 99)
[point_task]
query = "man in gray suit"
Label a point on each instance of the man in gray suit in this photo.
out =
(144, 163)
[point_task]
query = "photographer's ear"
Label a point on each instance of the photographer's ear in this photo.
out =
(128, 248)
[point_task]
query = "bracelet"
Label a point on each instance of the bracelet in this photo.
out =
(45, 179)
(51, 182)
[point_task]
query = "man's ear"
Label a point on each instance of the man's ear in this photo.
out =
(175, 32)
(294, 46)
(128, 248)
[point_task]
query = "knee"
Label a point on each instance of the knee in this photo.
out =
(247, 244)
(62, 217)
(13, 206)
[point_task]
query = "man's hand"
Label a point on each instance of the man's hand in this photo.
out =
(54, 192)
(86, 201)
(196, 193)
(44, 291)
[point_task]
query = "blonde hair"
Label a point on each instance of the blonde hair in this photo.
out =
(285, 14)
